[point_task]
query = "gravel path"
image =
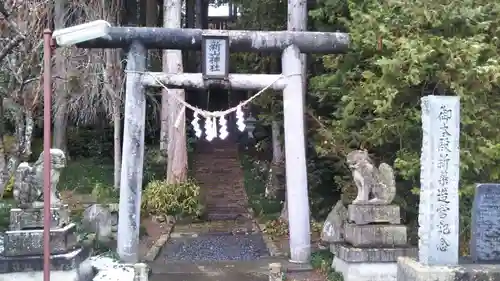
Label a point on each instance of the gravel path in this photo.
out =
(215, 248)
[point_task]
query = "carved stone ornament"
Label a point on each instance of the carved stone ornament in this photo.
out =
(28, 179)
(375, 186)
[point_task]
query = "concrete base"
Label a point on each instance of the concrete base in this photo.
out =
(375, 235)
(108, 269)
(366, 271)
(380, 255)
(366, 214)
(61, 262)
(30, 242)
(84, 272)
(411, 270)
(32, 218)
(99, 268)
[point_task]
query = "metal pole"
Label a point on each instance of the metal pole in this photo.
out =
(47, 91)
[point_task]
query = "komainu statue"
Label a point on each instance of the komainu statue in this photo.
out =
(375, 186)
(28, 180)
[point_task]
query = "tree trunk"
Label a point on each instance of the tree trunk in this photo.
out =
(190, 57)
(164, 116)
(199, 14)
(164, 113)
(29, 124)
(117, 141)
(3, 154)
(176, 146)
(113, 86)
(129, 13)
(277, 171)
(277, 150)
(154, 61)
(190, 13)
(284, 212)
(275, 184)
(143, 10)
(61, 96)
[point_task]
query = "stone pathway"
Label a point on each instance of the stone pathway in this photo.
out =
(220, 271)
(214, 241)
(256, 270)
(229, 245)
(214, 248)
(213, 251)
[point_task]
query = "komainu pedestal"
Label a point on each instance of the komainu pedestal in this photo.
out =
(372, 236)
(23, 243)
(370, 250)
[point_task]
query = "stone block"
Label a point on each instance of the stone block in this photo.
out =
(353, 254)
(485, 239)
(366, 271)
(375, 235)
(333, 247)
(99, 219)
(332, 231)
(30, 242)
(59, 262)
(411, 270)
(109, 269)
(23, 219)
(366, 214)
(275, 272)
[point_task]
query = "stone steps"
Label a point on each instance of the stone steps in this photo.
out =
(220, 175)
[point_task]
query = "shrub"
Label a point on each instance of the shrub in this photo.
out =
(105, 194)
(322, 261)
(9, 188)
(279, 228)
(180, 200)
(9, 143)
(154, 165)
(255, 176)
(276, 228)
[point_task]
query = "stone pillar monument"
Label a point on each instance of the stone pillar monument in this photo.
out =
(439, 257)
(22, 250)
(369, 236)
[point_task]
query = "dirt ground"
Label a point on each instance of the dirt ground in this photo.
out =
(306, 276)
(152, 228)
(153, 231)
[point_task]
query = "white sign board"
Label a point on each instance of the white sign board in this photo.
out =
(440, 164)
(215, 57)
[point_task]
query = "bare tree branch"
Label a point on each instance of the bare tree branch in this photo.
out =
(11, 45)
(12, 25)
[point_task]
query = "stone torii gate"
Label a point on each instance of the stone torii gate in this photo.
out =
(289, 43)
